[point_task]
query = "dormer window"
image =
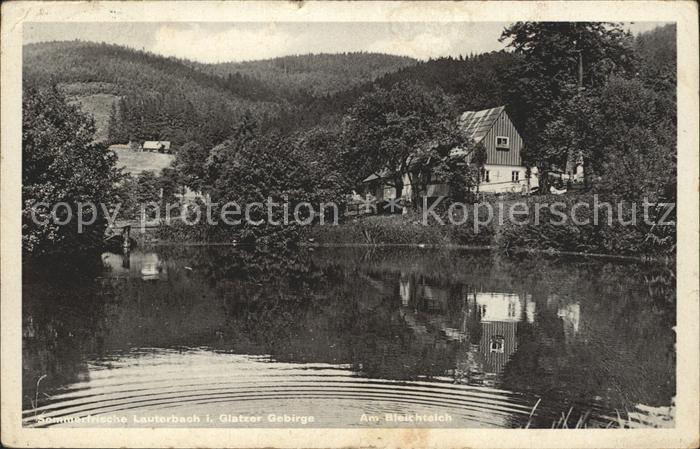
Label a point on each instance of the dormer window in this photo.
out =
(502, 143)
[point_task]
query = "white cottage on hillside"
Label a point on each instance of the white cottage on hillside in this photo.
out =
(503, 170)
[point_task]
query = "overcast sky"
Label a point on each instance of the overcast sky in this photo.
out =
(221, 42)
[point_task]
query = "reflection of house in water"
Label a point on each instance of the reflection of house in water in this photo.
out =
(568, 311)
(571, 315)
(487, 320)
(480, 327)
(499, 314)
(405, 285)
(433, 298)
(425, 308)
(503, 307)
(432, 303)
(484, 324)
(146, 266)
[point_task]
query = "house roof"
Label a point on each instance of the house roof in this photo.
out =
(478, 123)
(156, 144)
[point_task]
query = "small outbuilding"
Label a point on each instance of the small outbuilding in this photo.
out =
(160, 146)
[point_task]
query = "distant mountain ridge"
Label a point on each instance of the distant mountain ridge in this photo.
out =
(319, 74)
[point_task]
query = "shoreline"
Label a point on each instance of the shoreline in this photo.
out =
(447, 246)
(604, 242)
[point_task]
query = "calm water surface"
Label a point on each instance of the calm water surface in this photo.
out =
(344, 335)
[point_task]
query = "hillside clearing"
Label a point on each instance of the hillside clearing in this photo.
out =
(137, 162)
(98, 106)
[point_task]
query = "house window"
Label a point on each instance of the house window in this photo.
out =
(484, 175)
(515, 175)
(497, 343)
(502, 143)
(511, 310)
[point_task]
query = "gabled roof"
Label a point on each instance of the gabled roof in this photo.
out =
(156, 144)
(478, 123)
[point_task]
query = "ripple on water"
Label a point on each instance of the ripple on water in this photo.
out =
(203, 382)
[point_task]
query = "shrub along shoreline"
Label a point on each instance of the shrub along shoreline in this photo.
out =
(614, 239)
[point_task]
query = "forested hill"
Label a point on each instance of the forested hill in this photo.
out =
(126, 69)
(318, 74)
(140, 95)
(149, 97)
(474, 82)
(135, 94)
(490, 79)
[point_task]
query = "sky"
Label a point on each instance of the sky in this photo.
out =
(224, 42)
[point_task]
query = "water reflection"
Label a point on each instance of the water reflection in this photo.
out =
(482, 338)
(147, 266)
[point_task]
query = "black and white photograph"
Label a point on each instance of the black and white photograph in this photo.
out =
(352, 224)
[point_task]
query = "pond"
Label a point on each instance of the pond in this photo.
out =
(344, 337)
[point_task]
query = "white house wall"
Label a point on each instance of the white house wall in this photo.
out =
(501, 179)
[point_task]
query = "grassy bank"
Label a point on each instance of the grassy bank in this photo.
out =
(399, 230)
(552, 224)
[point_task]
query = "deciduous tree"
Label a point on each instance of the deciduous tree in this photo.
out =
(398, 132)
(190, 165)
(558, 59)
(62, 164)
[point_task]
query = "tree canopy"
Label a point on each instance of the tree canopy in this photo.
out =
(558, 59)
(62, 164)
(396, 132)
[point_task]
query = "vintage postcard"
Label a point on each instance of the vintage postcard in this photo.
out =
(350, 224)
